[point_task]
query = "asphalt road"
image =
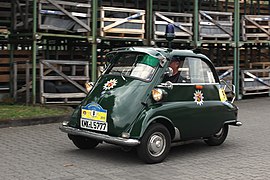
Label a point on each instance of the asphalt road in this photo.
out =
(43, 152)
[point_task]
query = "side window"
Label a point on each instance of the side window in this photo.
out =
(196, 71)
(184, 70)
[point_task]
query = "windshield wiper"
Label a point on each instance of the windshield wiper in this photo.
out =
(123, 76)
(121, 73)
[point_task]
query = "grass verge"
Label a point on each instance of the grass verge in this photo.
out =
(23, 112)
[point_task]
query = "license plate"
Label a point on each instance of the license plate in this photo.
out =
(94, 117)
(94, 125)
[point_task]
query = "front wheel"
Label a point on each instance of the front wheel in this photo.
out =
(218, 138)
(83, 142)
(155, 144)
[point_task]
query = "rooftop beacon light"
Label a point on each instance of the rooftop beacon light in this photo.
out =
(169, 34)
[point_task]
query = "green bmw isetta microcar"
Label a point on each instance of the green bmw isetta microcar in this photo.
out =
(131, 104)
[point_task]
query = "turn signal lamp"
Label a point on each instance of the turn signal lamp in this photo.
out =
(157, 94)
(199, 87)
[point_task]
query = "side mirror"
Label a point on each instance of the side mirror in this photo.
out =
(168, 85)
(89, 86)
(102, 69)
(169, 72)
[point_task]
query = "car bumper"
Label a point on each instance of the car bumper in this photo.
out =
(101, 137)
(234, 123)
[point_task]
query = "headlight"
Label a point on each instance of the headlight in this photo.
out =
(65, 123)
(157, 94)
(125, 135)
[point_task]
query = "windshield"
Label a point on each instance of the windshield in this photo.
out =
(134, 64)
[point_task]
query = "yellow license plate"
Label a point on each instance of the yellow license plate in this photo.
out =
(94, 117)
(222, 95)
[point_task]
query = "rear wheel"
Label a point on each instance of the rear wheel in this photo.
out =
(83, 142)
(218, 138)
(155, 144)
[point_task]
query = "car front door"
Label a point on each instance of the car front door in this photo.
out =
(195, 102)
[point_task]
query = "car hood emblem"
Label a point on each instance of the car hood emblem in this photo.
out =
(110, 84)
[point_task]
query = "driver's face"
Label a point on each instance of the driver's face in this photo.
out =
(174, 65)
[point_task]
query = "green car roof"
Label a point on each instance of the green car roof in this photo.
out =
(157, 52)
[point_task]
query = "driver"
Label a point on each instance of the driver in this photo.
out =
(176, 77)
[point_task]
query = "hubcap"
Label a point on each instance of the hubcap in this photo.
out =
(156, 144)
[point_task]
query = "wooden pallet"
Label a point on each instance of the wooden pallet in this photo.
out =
(4, 72)
(123, 4)
(22, 66)
(225, 73)
(122, 23)
(181, 6)
(168, 6)
(56, 76)
(4, 31)
(5, 14)
(211, 38)
(181, 21)
(20, 57)
(215, 26)
(5, 66)
(252, 85)
(22, 15)
(63, 98)
(125, 34)
(256, 27)
(67, 16)
(260, 65)
(251, 8)
(65, 55)
(223, 55)
(255, 90)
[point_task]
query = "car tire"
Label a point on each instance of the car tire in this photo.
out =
(218, 138)
(83, 142)
(155, 144)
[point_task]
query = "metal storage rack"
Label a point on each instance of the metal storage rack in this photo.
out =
(60, 30)
(5, 69)
(83, 37)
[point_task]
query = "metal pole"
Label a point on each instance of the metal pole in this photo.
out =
(94, 40)
(15, 79)
(34, 52)
(196, 23)
(11, 74)
(259, 7)
(27, 83)
(245, 7)
(149, 17)
(11, 49)
(236, 47)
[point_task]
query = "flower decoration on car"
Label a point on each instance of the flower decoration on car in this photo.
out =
(198, 97)
(110, 84)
